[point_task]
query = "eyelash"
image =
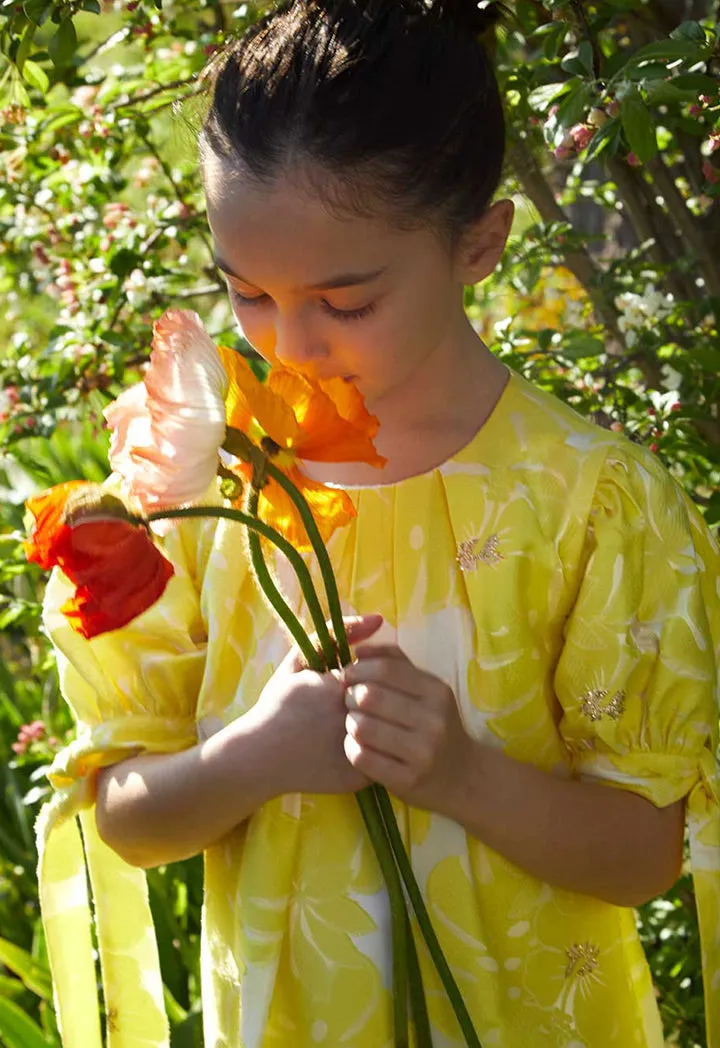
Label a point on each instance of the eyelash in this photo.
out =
(338, 314)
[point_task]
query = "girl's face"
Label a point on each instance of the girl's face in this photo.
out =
(331, 296)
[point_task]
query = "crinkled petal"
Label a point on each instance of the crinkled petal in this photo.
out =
(166, 430)
(47, 509)
(325, 434)
(251, 404)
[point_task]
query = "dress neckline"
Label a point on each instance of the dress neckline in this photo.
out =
(483, 433)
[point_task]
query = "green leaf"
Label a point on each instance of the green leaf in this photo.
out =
(23, 51)
(63, 44)
(38, 10)
(123, 262)
(19, 961)
(666, 50)
(606, 136)
(91, 5)
(638, 126)
(579, 344)
(579, 62)
(542, 97)
(17, 1030)
(575, 104)
(36, 76)
(689, 31)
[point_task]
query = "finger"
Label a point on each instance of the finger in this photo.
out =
(385, 703)
(362, 627)
(376, 766)
(357, 627)
(383, 737)
(398, 674)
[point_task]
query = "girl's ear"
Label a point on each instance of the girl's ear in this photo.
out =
(482, 245)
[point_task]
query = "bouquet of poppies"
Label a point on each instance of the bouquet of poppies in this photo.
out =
(199, 414)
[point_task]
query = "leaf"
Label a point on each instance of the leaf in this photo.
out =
(638, 126)
(37, 10)
(92, 6)
(19, 961)
(35, 75)
(542, 97)
(123, 262)
(605, 137)
(689, 31)
(17, 1030)
(575, 104)
(23, 51)
(579, 62)
(666, 50)
(63, 44)
(579, 344)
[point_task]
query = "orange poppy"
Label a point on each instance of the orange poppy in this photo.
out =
(89, 534)
(323, 421)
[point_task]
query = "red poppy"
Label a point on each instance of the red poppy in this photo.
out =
(109, 556)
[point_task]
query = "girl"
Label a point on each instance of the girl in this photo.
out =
(535, 605)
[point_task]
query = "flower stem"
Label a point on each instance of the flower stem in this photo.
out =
(258, 527)
(323, 559)
(443, 969)
(418, 1005)
(273, 594)
(398, 914)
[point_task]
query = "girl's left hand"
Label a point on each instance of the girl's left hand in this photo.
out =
(404, 729)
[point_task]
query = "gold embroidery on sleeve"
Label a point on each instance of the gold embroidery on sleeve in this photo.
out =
(591, 704)
(468, 559)
(582, 959)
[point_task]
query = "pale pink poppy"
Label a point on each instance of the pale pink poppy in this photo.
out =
(167, 429)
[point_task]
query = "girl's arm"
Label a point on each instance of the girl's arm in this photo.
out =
(404, 730)
(156, 809)
(583, 836)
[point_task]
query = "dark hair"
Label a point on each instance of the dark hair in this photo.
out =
(393, 96)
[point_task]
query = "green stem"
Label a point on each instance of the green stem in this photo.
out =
(273, 594)
(398, 914)
(323, 559)
(443, 969)
(255, 526)
(418, 1005)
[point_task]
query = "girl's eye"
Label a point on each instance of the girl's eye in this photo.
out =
(247, 300)
(338, 314)
(349, 314)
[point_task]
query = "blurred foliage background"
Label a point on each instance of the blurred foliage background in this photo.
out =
(608, 296)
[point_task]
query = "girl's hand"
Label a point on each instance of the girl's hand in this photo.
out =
(303, 713)
(404, 729)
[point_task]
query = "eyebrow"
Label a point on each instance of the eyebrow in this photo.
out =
(342, 280)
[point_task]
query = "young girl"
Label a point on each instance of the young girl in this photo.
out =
(535, 602)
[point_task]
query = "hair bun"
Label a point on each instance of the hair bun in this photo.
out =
(474, 16)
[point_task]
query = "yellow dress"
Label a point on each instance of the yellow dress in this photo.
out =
(555, 576)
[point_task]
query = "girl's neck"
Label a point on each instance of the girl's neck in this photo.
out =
(431, 417)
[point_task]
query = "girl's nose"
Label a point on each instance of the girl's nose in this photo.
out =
(296, 345)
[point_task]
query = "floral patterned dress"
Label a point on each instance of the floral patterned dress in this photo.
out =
(554, 575)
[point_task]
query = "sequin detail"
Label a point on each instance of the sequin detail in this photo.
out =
(468, 559)
(582, 959)
(591, 704)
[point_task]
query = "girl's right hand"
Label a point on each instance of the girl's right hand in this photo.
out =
(303, 713)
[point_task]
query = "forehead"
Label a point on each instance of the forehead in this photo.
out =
(292, 227)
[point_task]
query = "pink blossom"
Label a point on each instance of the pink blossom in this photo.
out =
(711, 173)
(562, 153)
(167, 429)
(18, 747)
(695, 110)
(582, 136)
(633, 160)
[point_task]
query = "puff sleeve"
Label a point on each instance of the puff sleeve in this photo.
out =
(132, 691)
(637, 678)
